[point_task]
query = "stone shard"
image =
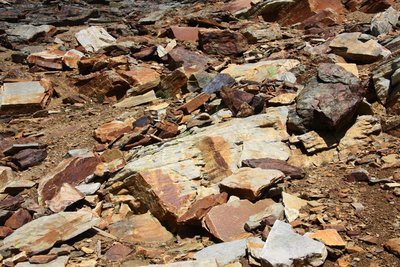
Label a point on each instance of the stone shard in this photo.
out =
(29, 157)
(142, 79)
(196, 263)
(330, 237)
(248, 183)
(185, 33)
(266, 217)
(134, 101)
(52, 59)
(292, 205)
(6, 177)
(140, 229)
(28, 33)
(285, 248)
(393, 246)
(385, 21)
(224, 253)
(192, 62)
(117, 252)
(358, 48)
(219, 81)
(109, 131)
(41, 234)
(66, 196)
(222, 42)
(275, 164)
(94, 38)
(215, 220)
(18, 219)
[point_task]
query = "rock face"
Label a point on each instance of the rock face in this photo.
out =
(359, 48)
(224, 253)
(328, 101)
(222, 42)
(215, 220)
(286, 248)
(385, 21)
(174, 171)
(42, 233)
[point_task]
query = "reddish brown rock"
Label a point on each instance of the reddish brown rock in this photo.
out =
(241, 103)
(47, 59)
(117, 252)
(94, 63)
(329, 237)
(66, 196)
(201, 207)
(222, 42)
(174, 82)
(19, 218)
(275, 164)
(166, 129)
(111, 130)
(226, 222)
(29, 157)
(42, 259)
(375, 6)
(191, 61)
(195, 103)
(5, 231)
(71, 58)
(73, 171)
(393, 246)
(142, 79)
(140, 229)
(185, 33)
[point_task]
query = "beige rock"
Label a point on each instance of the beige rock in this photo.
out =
(350, 67)
(111, 130)
(6, 176)
(137, 100)
(292, 205)
(313, 142)
(94, 38)
(66, 196)
(283, 99)
(329, 237)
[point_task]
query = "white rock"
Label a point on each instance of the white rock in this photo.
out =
(94, 38)
(224, 253)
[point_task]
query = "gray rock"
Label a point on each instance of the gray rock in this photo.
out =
(224, 253)
(285, 248)
(385, 21)
(88, 189)
(272, 212)
(25, 33)
(59, 262)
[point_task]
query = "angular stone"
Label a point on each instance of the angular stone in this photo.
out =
(255, 149)
(71, 58)
(111, 130)
(174, 82)
(15, 148)
(292, 205)
(266, 217)
(219, 81)
(215, 220)
(195, 103)
(66, 196)
(260, 71)
(248, 183)
(6, 177)
(313, 142)
(117, 252)
(142, 79)
(29, 157)
(275, 164)
(72, 171)
(352, 68)
(262, 33)
(373, 6)
(5, 231)
(88, 189)
(41, 234)
(52, 60)
(222, 42)
(283, 99)
(353, 48)
(134, 101)
(303, 251)
(384, 22)
(330, 237)
(24, 33)
(192, 62)
(140, 229)
(185, 33)
(94, 38)
(18, 219)
(24, 97)
(42, 259)
(201, 207)
(359, 175)
(240, 102)
(196, 263)
(393, 246)
(224, 253)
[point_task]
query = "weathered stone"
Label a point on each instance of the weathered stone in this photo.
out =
(174, 82)
(313, 142)
(219, 81)
(241, 103)
(260, 71)
(66, 196)
(6, 177)
(326, 105)
(386, 84)
(303, 251)
(283, 99)
(24, 33)
(24, 97)
(215, 220)
(52, 59)
(58, 262)
(329, 237)
(42, 259)
(196, 263)
(255, 149)
(18, 219)
(359, 175)
(111, 130)
(195, 103)
(134, 101)
(94, 38)
(71, 58)
(350, 67)
(292, 205)
(185, 33)
(393, 246)
(224, 253)
(5, 231)
(250, 183)
(192, 62)
(29, 157)
(262, 33)
(384, 22)
(72, 171)
(88, 189)
(142, 79)
(41, 234)
(275, 164)
(142, 229)
(117, 252)
(222, 42)
(266, 217)
(354, 48)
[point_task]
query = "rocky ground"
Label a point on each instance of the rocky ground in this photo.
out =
(200, 133)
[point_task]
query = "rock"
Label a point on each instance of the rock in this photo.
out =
(103, 84)
(29, 33)
(386, 85)
(24, 97)
(384, 22)
(20, 257)
(224, 253)
(359, 175)
(354, 47)
(253, 149)
(5, 231)
(327, 102)
(134, 101)
(262, 33)
(192, 62)
(41, 234)
(393, 246)
(109, 131)
(94, 38)
(142, 79)
(242, 103)
(292, 205)
(29, 157)
(266, 217)
(222, 42)
(220, 80)
(140, 229)
(313, 142)
(18, 219)
(350, 67)
(42, 259)
(6, 177)
(248, 183)
(71, 58)
(172, 84)
(73, 171)
(260, 71)
(201, 207)
(88, 189)
(283, 99)
(52, 60)
(66, 196)
(330, 237)
(195, 103)
(185, 33)
(58, 262)
(275, 164)
(117, 252)
(373, 6)
(196, 263)
(243, 209)
(303, 251)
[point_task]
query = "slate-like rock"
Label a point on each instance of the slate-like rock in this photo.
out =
(222, 42)
(18, 219)
(285, 248)
(385, 21)
(195, 263)
(94, 38)
(25, 32)
(275, 164)
(41, 234)
(393, 246)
